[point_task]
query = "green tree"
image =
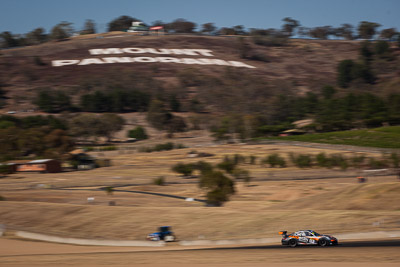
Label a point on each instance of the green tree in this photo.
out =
(89, 27)
(53, 101)
(110, 124)
(184, 169)
(241, 174)
(328, 91)
(157, 115)
(85, 126)
(366, 52)
(61, 31)
(346, 31)
(174, 103)
(138, 133)
(321, 32)
(290, 26)
(367, 30)
(121, 23)
(344, 71)
(8, 40)
(219, 187)
(388, 34)
(181, 26)
(227, 165)
(208, 28)
(37, 36)
(275, 160)
(382, 48)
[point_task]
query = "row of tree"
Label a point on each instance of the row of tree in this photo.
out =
(34, 135)
(290, 27)
(52, 137)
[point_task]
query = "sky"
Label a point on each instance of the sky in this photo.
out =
(23, 16)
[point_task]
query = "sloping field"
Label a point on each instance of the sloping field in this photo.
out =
(305, 63)
(384, 137)
(384, 196)
(257, 211)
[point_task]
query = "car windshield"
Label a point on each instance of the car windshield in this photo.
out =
(315, 233)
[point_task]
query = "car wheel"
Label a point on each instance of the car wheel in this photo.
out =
(323, 242)
(293, 243)
(169, 238)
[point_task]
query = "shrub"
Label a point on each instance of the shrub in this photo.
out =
(38, 61)
(237, 159)
(184, 169)
(357, 160)
(253, 159)
(159, 181)
(395, 159)
(161, 147)
(2, 198)
(109, 190)
(337, 160)
(241, 174)
(382, 48)
(216, 197)
(270, 40)
(138, 133)
(203, 167)
(220, 187)
(227, 165)
(322, 160)
(275, 160)
(301, 160)
(377, 164)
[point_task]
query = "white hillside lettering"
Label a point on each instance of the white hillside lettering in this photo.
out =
(150, 59)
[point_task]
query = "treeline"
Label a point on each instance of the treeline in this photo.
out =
(291, 27)
(35, 135)
(328, 113)
(51, 137)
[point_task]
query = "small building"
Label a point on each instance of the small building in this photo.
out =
(39, 165)
(139, 27)
(292, 132)
(81, 161)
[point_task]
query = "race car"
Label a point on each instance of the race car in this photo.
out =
(307, 237)
(164, 234)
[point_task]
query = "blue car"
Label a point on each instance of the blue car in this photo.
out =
(164, 234)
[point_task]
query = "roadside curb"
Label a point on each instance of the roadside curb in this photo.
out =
(368, 235)
(89, 242)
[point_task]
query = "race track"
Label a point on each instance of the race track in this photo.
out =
(351, 253)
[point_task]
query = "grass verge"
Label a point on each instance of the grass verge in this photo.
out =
(383, 137)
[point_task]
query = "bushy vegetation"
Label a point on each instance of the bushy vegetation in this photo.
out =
(161, 147)
(33, 135)
(86, 126)
(219, 187)
(274, 160)
(184, 169)
(115, 101)
(385, 137)
(53, 101)
(139, 133)
(159, 181)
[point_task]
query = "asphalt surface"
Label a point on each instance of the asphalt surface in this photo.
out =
(344, 244)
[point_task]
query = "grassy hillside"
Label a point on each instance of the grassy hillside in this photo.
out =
(384, 137)
(385, 196)
(247, 85)
(298, 67)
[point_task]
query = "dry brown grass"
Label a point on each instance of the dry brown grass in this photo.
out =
(273, 202)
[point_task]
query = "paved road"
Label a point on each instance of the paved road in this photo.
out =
(352, 254)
